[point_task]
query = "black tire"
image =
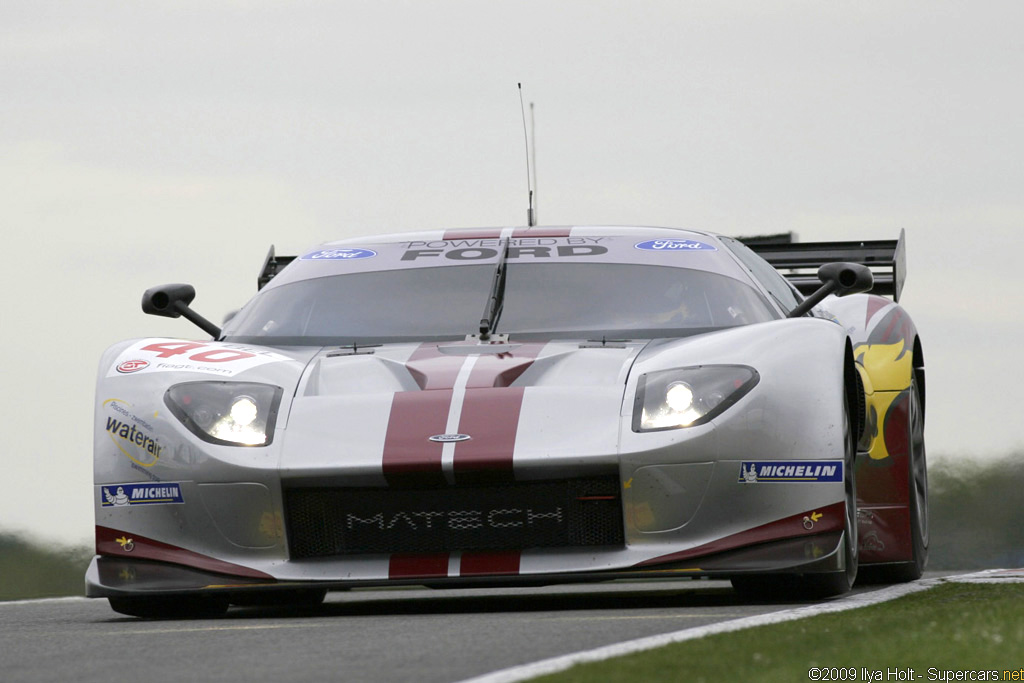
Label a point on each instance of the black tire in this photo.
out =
(170, 607)
(917, 474)
(815, 586)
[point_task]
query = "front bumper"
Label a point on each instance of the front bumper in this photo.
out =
(120, 577)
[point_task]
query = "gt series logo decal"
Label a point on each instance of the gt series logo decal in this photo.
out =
(132, 366)
(799, 471)
(126, 495)
(674, 245)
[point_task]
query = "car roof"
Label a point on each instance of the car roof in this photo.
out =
(523, 232)
(637, 245)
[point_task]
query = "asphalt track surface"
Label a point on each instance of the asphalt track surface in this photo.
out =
(416, 634)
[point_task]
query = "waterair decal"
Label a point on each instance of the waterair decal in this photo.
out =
(674, 245)
(214, 358)
(126, 495)
(132, 434)
(338, 255)
(791, 471)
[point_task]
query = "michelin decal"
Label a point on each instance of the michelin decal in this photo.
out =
(127, 495)
(800, 471)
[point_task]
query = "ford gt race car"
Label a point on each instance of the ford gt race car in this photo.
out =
(526, 405)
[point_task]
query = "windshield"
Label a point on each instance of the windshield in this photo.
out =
(541, 299)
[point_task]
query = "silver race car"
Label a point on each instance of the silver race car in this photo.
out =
(518, 406)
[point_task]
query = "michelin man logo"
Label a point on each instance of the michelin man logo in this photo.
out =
(749, 475)
(116, 500)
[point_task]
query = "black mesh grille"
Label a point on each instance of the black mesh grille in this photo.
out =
(323, 522)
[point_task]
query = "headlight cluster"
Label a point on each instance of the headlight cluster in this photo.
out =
(686, 397)
(227, 413)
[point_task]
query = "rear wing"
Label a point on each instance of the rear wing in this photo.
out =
(272, 265)
(799, 261)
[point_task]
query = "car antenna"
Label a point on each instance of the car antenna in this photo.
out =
(531, 181)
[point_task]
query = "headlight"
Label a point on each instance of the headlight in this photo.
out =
(686, 397)
(227, 413)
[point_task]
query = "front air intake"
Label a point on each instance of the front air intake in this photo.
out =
(566, 513)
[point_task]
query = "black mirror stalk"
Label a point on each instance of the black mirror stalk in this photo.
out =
(839, 279)
(172, 301)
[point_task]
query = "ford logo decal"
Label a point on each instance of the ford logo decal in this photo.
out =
(674, 245)
(338, 254)
(450, 438)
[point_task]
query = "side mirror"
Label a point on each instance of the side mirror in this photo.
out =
(172, 301)
(839, 279)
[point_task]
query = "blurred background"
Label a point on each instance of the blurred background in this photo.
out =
(175, 142)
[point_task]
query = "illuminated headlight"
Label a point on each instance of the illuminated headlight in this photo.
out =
(226, 413)
(686, 397)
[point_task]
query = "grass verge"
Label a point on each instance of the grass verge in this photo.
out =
(952, 627)
(29, 571)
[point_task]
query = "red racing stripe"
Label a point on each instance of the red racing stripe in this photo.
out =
(491, 417)
(432, 369)
(409, 455)
(472, 234)
(501, 369)
(492, 564)
(426, 566)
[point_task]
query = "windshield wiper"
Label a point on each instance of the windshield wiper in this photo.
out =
(496, 301)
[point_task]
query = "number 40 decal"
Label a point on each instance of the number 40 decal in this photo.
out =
(216, 355)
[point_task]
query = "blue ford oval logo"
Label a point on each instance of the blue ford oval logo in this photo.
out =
(674, 245)
(450, 438)
(339, 254)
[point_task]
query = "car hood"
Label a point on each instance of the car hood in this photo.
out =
(455, 411)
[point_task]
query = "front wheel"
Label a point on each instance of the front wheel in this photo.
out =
(814, 586)
(917, 474)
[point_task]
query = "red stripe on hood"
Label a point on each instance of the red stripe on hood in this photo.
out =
(410, 457)
(432, 369)
(491, 417)
(501, 369)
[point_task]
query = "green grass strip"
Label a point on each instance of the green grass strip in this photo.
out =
(952, 627)
(30, 571)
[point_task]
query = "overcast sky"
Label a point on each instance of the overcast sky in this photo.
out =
(143, 143)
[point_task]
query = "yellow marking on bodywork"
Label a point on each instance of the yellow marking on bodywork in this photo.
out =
(881, 401)
(888, 365)
(887, 371)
